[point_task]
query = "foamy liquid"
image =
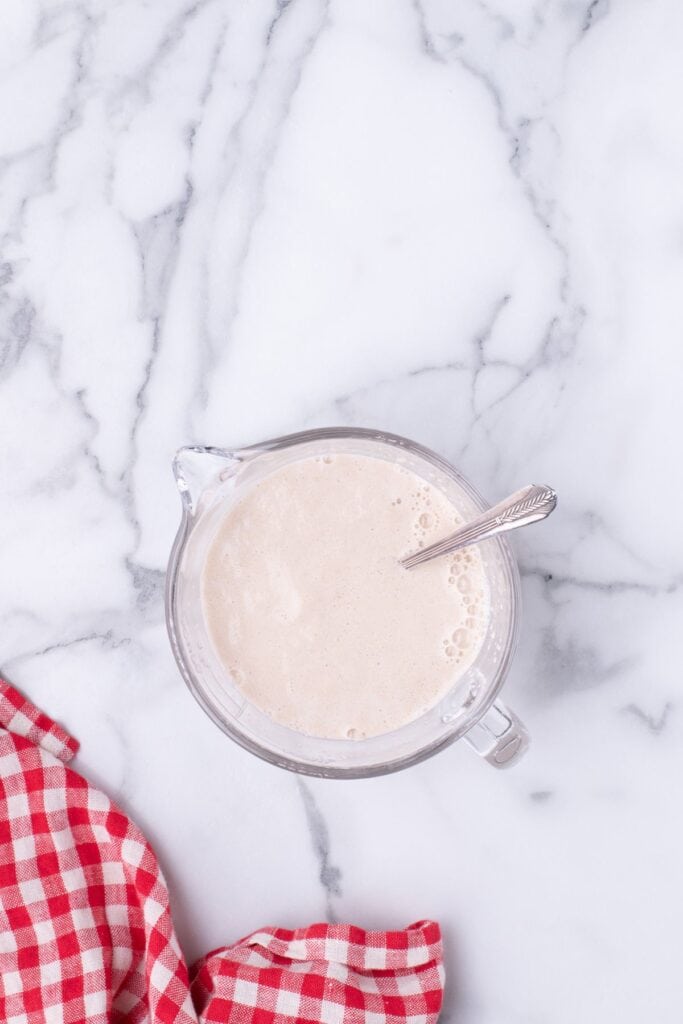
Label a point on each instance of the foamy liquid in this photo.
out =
(311, 613)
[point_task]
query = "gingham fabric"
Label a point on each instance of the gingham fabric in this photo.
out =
(86, 931)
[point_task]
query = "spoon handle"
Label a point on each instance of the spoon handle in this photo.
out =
(527, 506)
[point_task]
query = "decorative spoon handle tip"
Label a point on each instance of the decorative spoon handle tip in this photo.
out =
(526, 506)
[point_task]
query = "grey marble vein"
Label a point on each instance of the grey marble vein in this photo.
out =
(609, 587)
(173, 35)
(342, 402)
(148, 583)
(653, 723)
(72, 103)
(108, 639)
(50, 345)
(329, 873)
(574, 663)
(426, 42)
(596, 11)
(16, 327)
(541, 796)
(158, 241)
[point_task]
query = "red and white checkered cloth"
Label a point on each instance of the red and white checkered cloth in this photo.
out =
(86, 931)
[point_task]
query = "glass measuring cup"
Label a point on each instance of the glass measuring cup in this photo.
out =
(209, 480)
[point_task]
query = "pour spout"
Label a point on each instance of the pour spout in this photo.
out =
(196, 467)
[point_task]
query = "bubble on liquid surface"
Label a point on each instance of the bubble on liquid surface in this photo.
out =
(425, 520)
(464, 584)
(450, 651)
(327, 459)
(460, 637)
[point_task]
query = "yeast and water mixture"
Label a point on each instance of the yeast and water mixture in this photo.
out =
(313, 616)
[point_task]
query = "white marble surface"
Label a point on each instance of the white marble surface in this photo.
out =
(458, 221)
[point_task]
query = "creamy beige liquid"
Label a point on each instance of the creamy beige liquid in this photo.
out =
(311, 613)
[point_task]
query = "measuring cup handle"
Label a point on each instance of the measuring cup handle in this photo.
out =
(499, 736)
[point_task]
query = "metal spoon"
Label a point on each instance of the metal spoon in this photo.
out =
(532, 503)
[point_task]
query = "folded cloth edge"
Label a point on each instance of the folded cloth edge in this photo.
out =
(365, 950)
(21, 717)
